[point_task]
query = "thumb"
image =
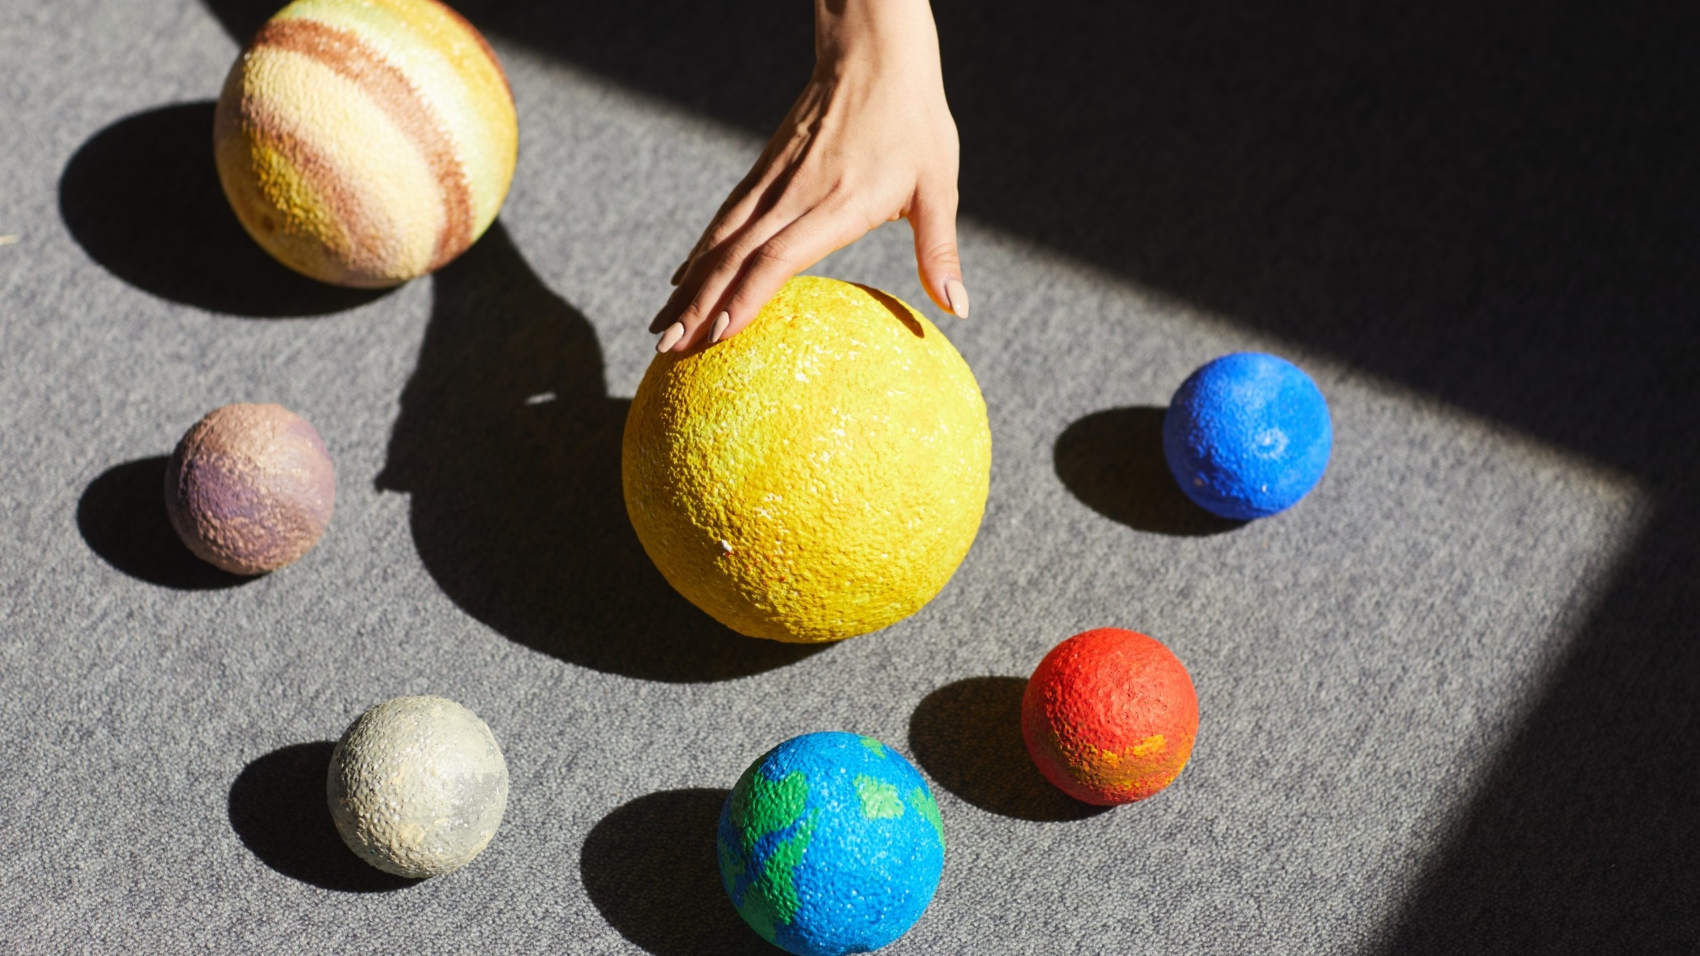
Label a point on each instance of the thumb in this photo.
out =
(933, 218)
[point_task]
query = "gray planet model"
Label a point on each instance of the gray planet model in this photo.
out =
(417, 786)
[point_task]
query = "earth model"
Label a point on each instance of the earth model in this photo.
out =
(831, 843)
(819, 475)
(1247, 435)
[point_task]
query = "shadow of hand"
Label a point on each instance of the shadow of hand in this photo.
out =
(509, 447)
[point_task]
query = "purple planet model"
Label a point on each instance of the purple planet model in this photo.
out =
(250, 488)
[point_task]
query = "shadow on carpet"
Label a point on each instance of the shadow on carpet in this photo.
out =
(122, 518)
(1113, 462)
(967, 736)
(651, 868)
(508, 446)
(1492, 203)
(142, 198)
(279, 809)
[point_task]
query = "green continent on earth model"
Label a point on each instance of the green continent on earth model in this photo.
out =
(817, 476)
(831, 843)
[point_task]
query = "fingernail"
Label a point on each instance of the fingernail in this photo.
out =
(721, 321)
(679, 273)
(671, 337)
(957, 295)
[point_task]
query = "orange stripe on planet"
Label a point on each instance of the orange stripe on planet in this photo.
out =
(354, 161)
(389, 88)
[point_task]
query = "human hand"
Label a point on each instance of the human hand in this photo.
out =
(870, 140)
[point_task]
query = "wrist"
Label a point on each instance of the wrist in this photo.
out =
(849, 33)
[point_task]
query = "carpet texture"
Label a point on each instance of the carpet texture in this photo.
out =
(1448, 701)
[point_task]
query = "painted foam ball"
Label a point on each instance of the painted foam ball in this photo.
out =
(366, 142)
(1247, 435)
(1110, 716)
(817, 476)
(417, 786)
(830, 843)
(250, 488)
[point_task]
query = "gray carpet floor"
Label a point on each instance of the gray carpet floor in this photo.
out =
(1448, 701)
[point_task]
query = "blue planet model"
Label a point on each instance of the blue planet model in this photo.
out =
(1247, 435)
(831, 843)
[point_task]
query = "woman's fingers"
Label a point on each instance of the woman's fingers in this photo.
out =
(738, 209)
(739, 213)
(696, 301)
(745, 274)
(727, 284)
(760, 188)
(814, 190)
(933, 219)
(824, 230)
(869, 137)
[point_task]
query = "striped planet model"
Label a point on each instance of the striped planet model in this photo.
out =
(366, 142)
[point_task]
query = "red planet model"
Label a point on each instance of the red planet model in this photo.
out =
(1110, 716)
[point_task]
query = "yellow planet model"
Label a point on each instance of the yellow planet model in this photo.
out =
(817, 476)
(366, 142)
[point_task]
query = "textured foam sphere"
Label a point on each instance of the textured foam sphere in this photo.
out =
(831, 843)
(366, 142)
(250, 488)
(417, 786)
(1110, 716)
(819, 475)
(1247, 435)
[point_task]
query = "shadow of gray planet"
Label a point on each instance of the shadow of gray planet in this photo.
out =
(508, 447)
(278, 808)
